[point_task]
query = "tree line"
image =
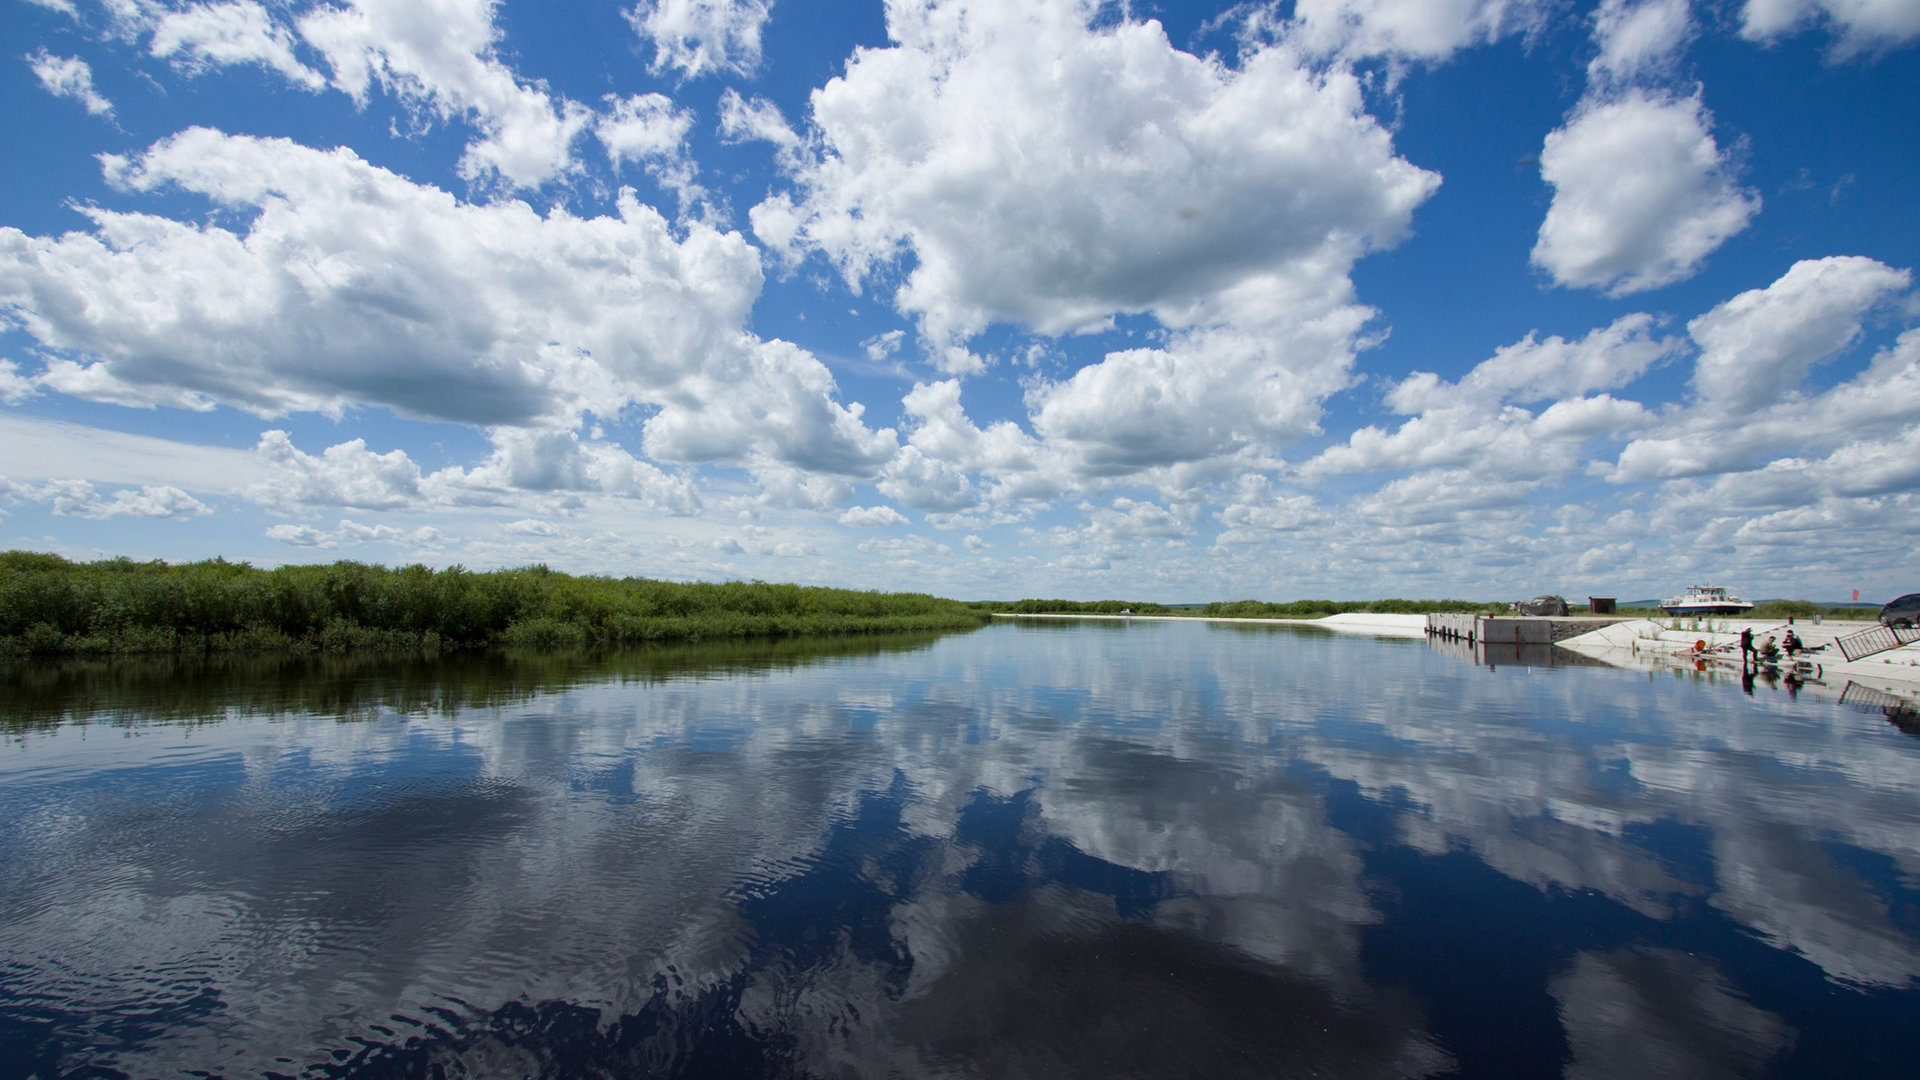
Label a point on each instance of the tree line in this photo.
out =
(52, 606)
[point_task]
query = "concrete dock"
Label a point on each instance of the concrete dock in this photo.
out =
(1513, 629)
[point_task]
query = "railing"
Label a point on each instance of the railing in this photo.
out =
(1870, 699)
(1876, 639)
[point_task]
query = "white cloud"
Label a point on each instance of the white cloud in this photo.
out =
(872, 517)
(347, 474)
(647, 129)
(903, 548)
(882, 347)
(926, 483)
(1858, 26)
(438, 56)
(64, 7)
(1441, 497)
(14, 387)
(700, 37)
(1255, 508)
(744, 119)
(69, 77)
(78, 498)
(786, 487)
(1642, 195)
(1411, 29)
(1879, 403)
(1638, 39)
(1048, 173)
(642, 128)
(1758, 346)
(1606, 359)
(202, 36)
(353, 285)
(353, 533)
(547, 461)
(1207, 395)
(1478, 423)
(778, 406)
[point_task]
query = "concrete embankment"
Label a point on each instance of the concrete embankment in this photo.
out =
(1358, 622)
(1642, 643)
(1512, 629)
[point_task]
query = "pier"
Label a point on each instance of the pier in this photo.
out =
(1511, 629)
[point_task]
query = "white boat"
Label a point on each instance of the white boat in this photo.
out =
(1705, 600)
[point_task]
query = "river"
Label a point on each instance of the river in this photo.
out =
(1064, 849)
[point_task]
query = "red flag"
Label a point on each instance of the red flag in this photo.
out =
(1856, 596)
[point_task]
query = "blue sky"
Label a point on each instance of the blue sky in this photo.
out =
(988, 298)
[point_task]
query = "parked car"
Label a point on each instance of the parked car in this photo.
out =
(1904, 611)
(1543, 605)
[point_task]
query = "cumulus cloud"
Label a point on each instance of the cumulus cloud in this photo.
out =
(1479, 422)
(648, 130)
(1413, 29)
(1638, 39)
(346, 474)
(778, 406)
(352, 534)
(1642, 194)
(1210, 394)
(926, 483)
(14, 387)
(547, 461)
(906, 548)
(69, 77)
(438, 57)
(1794, 432)
(354, 285)
(742, 119)
(701, 37)
(78, 498)
(351, 286)
(1044, 171)
(642, 128)
(1759, 345)
(202, 36)
(1857, 26)
(872, 517)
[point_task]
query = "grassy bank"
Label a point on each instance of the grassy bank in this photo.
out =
(50, 606)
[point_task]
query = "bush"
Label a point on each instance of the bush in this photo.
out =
(50, 606)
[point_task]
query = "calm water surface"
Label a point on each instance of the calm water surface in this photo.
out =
(1078, 849)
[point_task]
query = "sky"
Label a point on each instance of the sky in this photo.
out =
(984, 298)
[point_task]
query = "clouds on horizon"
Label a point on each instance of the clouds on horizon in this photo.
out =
(1167, 237)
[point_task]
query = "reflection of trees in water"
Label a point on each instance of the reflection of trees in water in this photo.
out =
(358, 686)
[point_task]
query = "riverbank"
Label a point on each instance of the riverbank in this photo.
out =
(1356, 622)
(50, 606)
(1644, 643)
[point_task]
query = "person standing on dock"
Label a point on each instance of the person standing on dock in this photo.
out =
(1746, 644)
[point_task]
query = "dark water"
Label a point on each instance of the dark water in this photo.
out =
(1071, 850)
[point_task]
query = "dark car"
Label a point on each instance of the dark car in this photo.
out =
(1902, 612)
(1543, 605)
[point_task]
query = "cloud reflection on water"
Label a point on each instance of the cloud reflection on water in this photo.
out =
(1005, 854)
